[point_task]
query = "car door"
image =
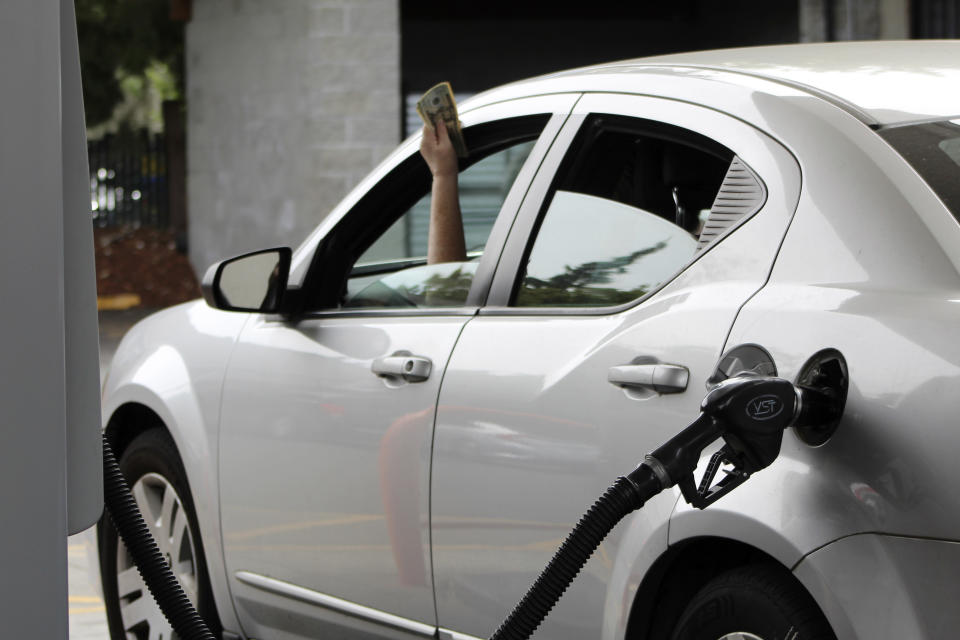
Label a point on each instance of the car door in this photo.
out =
(327, 418)
(648, 226)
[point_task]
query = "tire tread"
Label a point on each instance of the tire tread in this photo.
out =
(767, 583)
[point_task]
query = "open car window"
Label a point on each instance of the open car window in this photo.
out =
(393, 271)
(375, 258)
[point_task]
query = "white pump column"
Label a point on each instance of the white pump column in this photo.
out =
(50, 477)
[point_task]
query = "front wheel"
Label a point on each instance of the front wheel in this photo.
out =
(155, 474)
(758, 602)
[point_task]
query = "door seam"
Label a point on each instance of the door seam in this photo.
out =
(433, 439)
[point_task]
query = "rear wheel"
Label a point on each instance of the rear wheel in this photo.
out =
(158, 483)
(758, 602)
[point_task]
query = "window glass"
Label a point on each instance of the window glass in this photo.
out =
(933, 149)
(630, 251)
(393, 270)
(483, 188)
(624, 215)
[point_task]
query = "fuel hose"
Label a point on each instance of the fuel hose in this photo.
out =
(166, 590)
(626, 495)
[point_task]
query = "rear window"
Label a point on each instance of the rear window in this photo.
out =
(933, 149)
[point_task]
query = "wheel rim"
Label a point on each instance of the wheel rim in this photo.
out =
(167, 520)
(739, 635)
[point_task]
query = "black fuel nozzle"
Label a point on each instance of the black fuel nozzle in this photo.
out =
(753, 412)
(750, 413)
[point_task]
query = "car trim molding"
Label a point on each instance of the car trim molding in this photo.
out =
(386, 313)
(446, 634)
(309, 596)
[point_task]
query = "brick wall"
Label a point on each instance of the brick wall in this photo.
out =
(289, 104)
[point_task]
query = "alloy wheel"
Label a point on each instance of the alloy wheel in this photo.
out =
(167, 520)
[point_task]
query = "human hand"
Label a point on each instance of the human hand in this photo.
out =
(438, 151)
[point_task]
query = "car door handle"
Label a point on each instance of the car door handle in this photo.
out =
(662, 378)
(403, 365)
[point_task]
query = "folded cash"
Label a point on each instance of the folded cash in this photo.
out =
(438, 103)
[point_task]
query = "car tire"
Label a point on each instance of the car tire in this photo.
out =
(153, 470)
(756, 602)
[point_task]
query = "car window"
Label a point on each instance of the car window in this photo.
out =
(933, 149)
(376, 255)
(630, 207)
(393, 271)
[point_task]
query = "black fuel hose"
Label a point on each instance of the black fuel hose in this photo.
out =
(174, 604)
(626, 495)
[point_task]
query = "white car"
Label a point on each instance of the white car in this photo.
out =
(373, 447)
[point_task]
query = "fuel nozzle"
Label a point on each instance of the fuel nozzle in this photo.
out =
(750, 414)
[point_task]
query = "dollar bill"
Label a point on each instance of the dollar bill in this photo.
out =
(438, 103)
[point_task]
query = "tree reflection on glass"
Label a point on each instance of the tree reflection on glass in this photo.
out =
(437, 290)
(447, 290)
(576, 286)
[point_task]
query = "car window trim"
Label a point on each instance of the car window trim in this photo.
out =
(511, 255)
(556, 118)
(400, 312)
(345, 242)
(503, 225)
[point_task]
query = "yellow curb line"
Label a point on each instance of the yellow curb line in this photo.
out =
(74, 610)
(119, 302)
(94, 599)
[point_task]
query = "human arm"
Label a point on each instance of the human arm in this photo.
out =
(445, 240)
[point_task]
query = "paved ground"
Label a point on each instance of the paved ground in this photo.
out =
(87, 618)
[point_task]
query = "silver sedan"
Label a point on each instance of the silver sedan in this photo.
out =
(344, 441)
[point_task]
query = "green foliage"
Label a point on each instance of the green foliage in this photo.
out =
(446, 291)
(437, 290)
(576, 286)
(120, 41)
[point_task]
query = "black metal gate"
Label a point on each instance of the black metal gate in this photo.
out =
(128, 180)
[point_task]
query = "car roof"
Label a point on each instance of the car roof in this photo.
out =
(887, 82)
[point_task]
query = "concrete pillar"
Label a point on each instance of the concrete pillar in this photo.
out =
(289, 105)
(894, 20)
(815, 25)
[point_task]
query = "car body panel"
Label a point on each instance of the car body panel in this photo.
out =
(877, 586)
(841, 281)
(529, 431)
(173, 362)
(873, 273)
(324, 465)
(890, 81)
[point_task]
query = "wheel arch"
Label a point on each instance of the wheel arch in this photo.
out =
(140, 411)
(676, 576)
(129, 424)
(130, 420)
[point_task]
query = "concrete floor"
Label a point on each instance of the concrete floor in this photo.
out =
(85, 605)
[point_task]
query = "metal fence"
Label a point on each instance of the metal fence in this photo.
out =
(128, 181)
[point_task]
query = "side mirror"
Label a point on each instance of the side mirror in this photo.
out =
(252, 282)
